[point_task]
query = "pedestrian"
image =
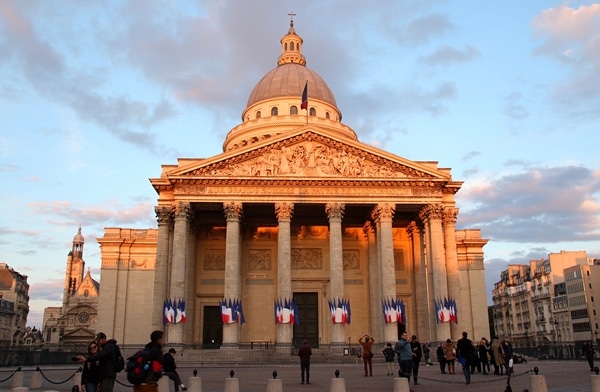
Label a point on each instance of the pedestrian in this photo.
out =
(417, 353)
(90, 377)
(155, 359)
(497, 354)
(450, 352)
(366, 342)
(389, 354)
(588, 353)
(427, 353)
(464, 350)
(441, 357)
(106, 358)
(483, 356)
(169, 369)
(304, 353)
(508, 354)
(404, 353)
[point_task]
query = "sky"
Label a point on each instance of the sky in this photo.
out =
(96, 96)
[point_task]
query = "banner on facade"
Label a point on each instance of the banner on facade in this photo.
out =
(232, 311)
(174, 311)
(394, 311)
(340, 311)
(286, 311)
(446, 310)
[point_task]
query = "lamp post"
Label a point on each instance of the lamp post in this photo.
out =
(556, 336)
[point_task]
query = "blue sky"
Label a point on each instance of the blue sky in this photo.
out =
(95, 96)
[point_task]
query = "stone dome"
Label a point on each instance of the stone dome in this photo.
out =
(289, 80)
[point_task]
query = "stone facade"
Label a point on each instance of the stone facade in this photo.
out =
(295, 207)
(14, 306)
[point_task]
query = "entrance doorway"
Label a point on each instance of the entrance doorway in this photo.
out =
(308, 312)
(212, 328)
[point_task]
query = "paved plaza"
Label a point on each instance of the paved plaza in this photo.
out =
(568, 376)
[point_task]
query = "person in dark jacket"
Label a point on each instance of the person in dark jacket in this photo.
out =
(417, 354)
(441, 357)
(89, 373)
(156, 363)
(389, 354)
(464, 350)
(106, 359)
(169, 368)
(588, 353)
(304, 353)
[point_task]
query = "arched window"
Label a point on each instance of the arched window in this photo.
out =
(294, 110)
(291, 46)
(327, 115)
(258, 114)
(312, 112)
(274, 112)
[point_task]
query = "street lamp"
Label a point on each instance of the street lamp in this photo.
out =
(557, 336)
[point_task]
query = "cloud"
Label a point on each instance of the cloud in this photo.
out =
(446, 55)
(513, 108)
(543, 204)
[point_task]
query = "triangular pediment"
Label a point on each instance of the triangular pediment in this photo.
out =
(307, 153)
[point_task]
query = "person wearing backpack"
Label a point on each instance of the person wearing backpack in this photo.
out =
(106, 359)
(145, 367)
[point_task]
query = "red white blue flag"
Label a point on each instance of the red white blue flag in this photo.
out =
(340, 311)
(304, 104)
(286, 312)
(232, 312)
(445, 310)
(394, 311)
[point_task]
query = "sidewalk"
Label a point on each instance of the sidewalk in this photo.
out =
(568, 376)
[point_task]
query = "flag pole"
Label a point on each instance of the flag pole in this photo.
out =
(304, 104)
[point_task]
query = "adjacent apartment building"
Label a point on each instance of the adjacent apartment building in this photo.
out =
(547, 308)
(14, 306)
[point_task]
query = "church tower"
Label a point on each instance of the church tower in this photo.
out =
(74, 270)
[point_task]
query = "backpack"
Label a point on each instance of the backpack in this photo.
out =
(139, 366)
(119, 360)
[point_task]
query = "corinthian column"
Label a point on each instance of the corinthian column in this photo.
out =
(376, 316)
(452, 270)
(284, 268)
(164, 217)
(233, 279)
(335, 212)
(177, 287)
(383, 214)
(431, 215)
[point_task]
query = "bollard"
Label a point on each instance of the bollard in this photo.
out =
(274, 385)
(232, 385)
(163, 384)
(77, 380)
(36, 380)
(17, 380)
(595, 383)
(195, 384)
(538, 383)
(401, 384)
(337, 385)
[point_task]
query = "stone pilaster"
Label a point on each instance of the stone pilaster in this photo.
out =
(432, 215)
(335, 212)
(454, 287)
(422, 302)
(376, 316)
(177, 287)
(383, 214)
(164, 217)
(233, 279)
(284, 213)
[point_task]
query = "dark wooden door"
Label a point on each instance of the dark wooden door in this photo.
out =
(308, 312)
(212, 328)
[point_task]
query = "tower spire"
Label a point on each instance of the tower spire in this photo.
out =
(291, 46)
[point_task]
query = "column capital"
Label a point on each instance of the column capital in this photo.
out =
(412, 229)
(335, 210)
(284, 211)
(164, 215)
(183, 211)
(383, 211)
(233, 210)
(431, 211)
(368, 229)
(450, 215)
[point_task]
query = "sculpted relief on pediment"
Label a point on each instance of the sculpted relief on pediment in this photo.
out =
(310, 158)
